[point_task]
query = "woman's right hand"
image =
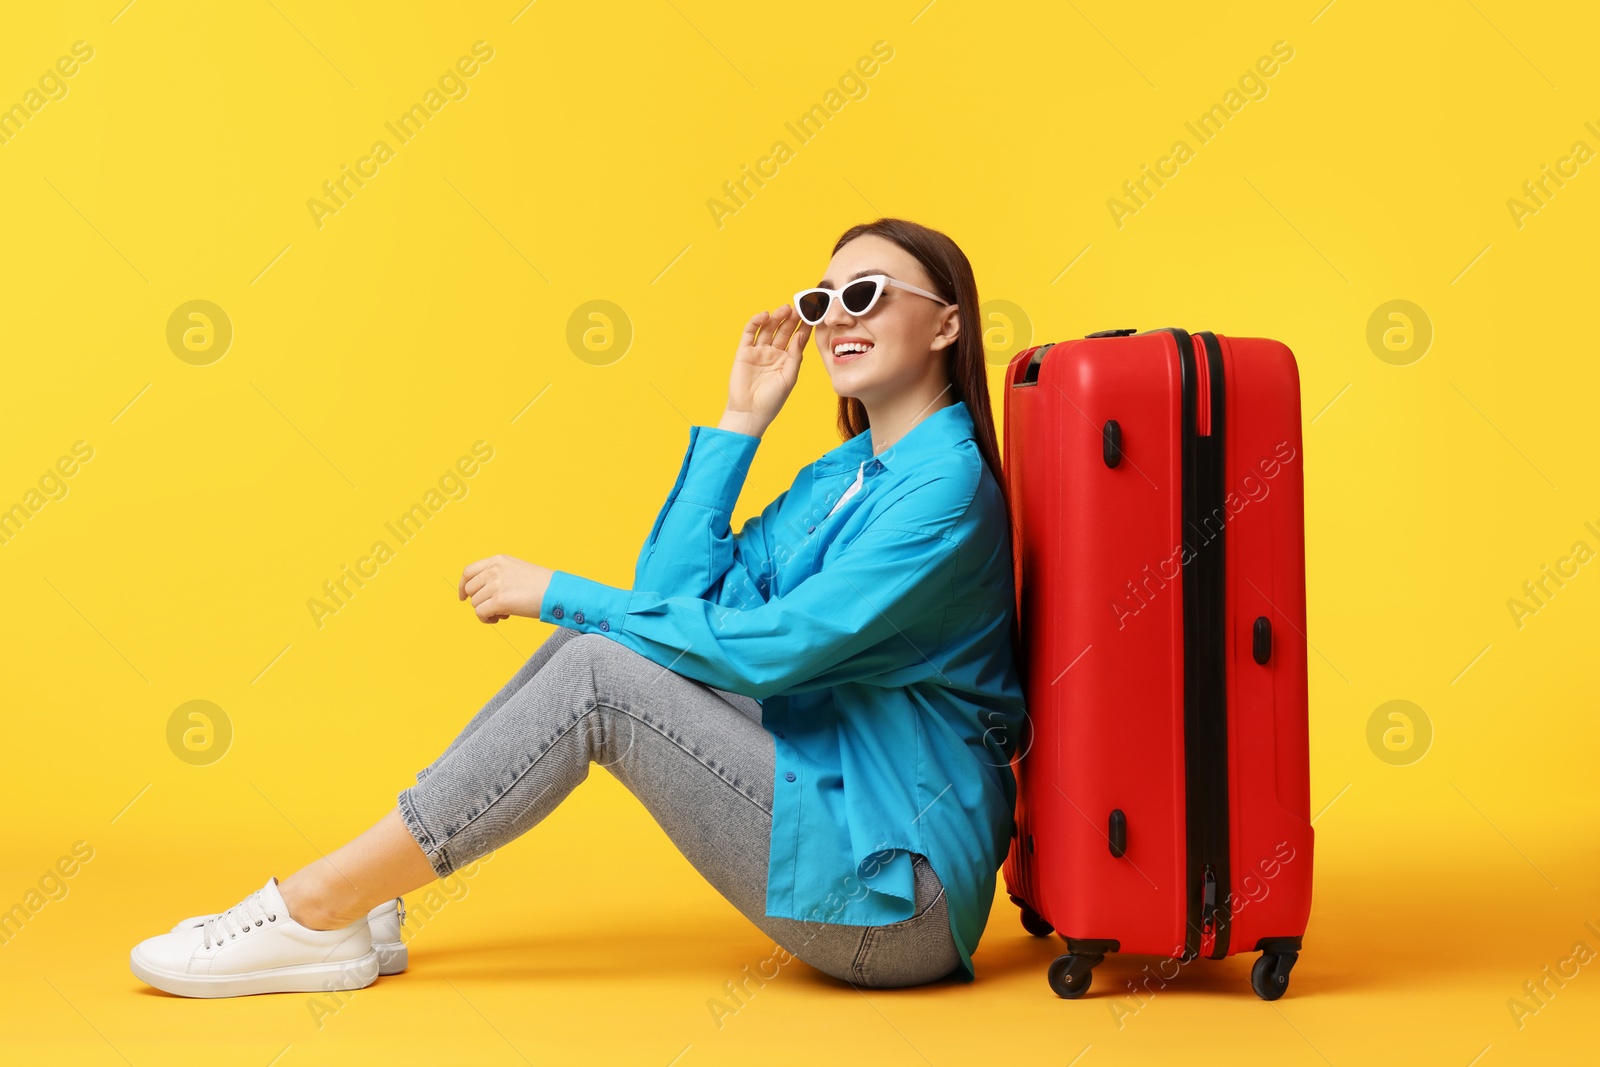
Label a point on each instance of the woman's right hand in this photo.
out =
(765, 368)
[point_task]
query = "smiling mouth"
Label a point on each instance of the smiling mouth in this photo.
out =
(852, 352)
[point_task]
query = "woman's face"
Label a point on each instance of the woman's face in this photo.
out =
(902, 328)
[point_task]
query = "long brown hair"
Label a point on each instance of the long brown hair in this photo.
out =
(952, 279)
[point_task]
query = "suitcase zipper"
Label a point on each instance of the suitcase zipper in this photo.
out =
(1205, 713)
(1208, 912)
(1213, 743)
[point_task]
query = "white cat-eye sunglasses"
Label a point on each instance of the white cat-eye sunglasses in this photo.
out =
(858, 297)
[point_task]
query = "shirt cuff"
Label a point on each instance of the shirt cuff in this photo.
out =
(582, 604)
(718, 462)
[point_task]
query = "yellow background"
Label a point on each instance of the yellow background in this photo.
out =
(432, 310)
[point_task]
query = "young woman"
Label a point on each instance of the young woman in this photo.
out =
(819, 710)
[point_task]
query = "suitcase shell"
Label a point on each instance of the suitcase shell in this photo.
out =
(1163, 793)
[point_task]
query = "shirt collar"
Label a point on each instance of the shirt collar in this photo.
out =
(940, 431)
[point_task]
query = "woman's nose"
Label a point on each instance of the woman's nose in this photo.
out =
(836, 315)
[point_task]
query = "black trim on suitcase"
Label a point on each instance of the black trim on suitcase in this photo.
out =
(1211, 494)
(1205, 700)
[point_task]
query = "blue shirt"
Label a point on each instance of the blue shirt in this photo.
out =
(876, 636)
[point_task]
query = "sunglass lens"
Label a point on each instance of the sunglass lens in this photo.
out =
(812, 306)
(858, 296)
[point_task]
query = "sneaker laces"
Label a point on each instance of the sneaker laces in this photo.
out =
(239, 919)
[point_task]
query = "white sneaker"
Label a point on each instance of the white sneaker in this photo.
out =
(385, 921)
(256, 947)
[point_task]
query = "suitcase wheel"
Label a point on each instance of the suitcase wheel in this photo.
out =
(1069, 974)
(1270, 975)
(1035, 923)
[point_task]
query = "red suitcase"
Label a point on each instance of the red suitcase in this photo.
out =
(1163, 802)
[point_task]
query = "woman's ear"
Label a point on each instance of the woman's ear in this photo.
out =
(949, 328)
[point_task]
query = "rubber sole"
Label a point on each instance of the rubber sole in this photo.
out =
(391, 960)
(304, 978)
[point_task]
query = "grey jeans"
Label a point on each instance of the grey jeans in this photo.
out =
(699, 760)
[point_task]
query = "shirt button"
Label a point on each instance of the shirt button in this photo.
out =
(778, 732)
(556, 611)
(604, 625)
(811, 529)
(577, 617)
(788, 776)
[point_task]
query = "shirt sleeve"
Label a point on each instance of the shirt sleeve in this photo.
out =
(864, 615)
(690, 548)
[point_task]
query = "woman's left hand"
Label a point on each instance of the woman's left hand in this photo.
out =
(502, 586)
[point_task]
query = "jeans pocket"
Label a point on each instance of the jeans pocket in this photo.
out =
(912, 951)
(919, 917)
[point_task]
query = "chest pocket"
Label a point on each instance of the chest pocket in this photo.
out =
(952, 626)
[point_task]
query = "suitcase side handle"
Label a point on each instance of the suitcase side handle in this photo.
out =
(1111, 443)
(1261, 640)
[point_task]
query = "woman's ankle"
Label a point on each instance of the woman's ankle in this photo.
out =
(312, 908)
